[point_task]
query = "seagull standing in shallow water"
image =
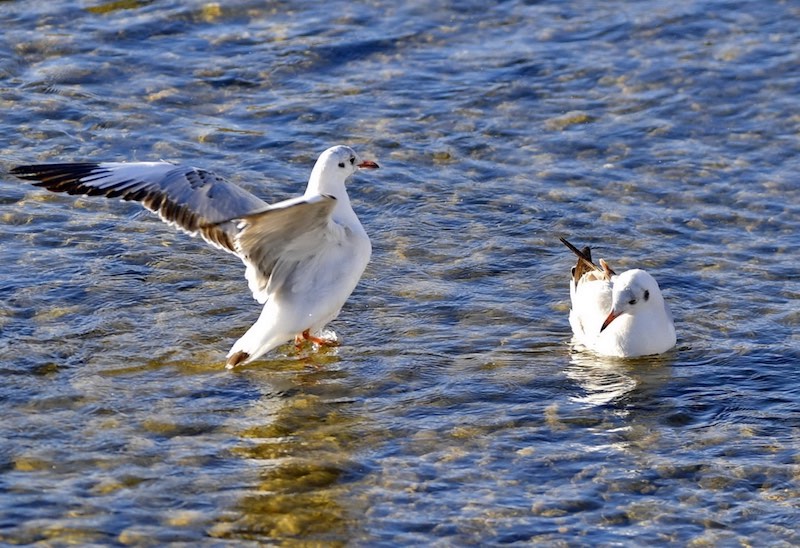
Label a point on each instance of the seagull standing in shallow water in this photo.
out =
(621, 315)
(303, 257)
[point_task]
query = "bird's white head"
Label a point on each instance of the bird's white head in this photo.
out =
(333, 168)
(634, 292)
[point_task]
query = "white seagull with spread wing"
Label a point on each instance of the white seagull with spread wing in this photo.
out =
(303, 256)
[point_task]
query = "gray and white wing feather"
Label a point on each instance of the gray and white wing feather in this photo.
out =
(273, 242)
(196, 201)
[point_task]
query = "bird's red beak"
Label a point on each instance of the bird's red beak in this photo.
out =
(369, 164)
(611, 317)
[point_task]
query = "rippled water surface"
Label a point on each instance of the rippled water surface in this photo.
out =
(664, 134)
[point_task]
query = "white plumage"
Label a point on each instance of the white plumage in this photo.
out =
(621, 315)
(303, 256)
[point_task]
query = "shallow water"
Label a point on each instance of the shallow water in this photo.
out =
(664, 134)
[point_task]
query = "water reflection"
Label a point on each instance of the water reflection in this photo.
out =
(303, 445)
(618, 382)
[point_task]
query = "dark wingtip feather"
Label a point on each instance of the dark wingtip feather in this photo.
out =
(45, 170)
(57, 177)
(584, 260)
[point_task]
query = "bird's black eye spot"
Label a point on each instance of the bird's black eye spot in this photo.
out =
(646, 294)
(632, 301)
(341, 164)
(352, 160)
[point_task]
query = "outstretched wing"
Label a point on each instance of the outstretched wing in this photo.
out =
(272, 242)
(196, 201)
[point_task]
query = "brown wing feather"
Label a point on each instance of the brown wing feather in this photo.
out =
(585, 263)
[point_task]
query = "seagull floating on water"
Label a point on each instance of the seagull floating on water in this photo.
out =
(303, 257)
(621, 315)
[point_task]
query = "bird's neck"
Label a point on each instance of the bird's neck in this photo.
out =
(337, 191)
(317, 184)
(343, 210)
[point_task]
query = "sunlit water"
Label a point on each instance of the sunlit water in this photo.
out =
(664, 134)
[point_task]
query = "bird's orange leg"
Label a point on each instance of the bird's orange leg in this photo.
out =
(318, 340)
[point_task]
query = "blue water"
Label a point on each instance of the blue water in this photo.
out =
(663, 134)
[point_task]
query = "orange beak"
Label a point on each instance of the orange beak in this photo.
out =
(611, 317)
(369, 164)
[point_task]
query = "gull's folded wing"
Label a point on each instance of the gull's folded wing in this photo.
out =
(274, 241)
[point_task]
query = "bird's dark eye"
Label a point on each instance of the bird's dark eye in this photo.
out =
(632, 301)
(646, 294)
(352, 160)
(341, 164)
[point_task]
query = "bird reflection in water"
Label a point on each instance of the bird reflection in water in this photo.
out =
(614, 381)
